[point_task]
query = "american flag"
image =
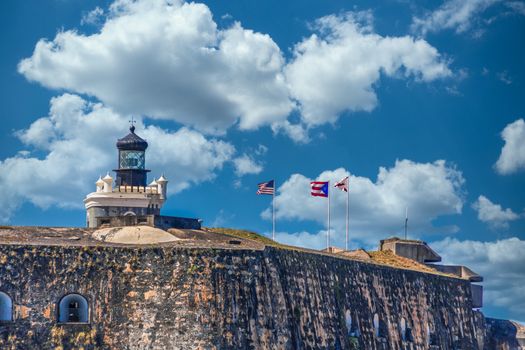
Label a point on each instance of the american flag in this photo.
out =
(343, 184)
(319, 188)
(266, 188)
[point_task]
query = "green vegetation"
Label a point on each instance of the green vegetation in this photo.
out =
(245, 235)
(354, 343)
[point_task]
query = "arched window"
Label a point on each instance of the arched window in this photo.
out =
(348, 321)
(73, 308)
(6, 308)
(376, 325)
(403, 329)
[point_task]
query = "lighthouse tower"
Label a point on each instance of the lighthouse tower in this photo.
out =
(127, 200)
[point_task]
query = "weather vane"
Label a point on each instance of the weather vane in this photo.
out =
(131, 122)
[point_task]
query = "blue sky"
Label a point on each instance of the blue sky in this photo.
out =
(422, 103)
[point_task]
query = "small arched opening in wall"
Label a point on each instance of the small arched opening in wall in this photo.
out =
(377, 330)
(352, 325)
(73, 308)
(348, 321)
(403, 329)
(6, 308)
(380, 327)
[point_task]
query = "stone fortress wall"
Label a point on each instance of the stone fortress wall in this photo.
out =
(169, 297)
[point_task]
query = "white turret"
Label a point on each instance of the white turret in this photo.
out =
(163, 186)
(100, 184)
(108, 183)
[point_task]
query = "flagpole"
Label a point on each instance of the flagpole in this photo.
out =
(406, 222)
(347, 214)
(328, 229)
(273, 211)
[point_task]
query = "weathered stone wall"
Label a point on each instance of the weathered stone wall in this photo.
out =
(180, 298)
(501, 334)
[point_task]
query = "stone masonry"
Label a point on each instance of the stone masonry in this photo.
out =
(169, 297)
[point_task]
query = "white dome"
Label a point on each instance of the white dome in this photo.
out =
(153, 183)
(162, 179)
(107, 178)
(100, 182)
(134, 235)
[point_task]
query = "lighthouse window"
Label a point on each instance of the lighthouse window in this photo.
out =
(6, 308)
(73, 308)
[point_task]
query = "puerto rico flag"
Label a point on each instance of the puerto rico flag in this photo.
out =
(319, 188)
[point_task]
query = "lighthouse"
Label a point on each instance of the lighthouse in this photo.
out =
(127, 199)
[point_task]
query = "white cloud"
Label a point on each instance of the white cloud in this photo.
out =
(335, 69)
(297, 132)
(77, 141)
(377, 209)
(493, 214)
(512, 157)
(517, 6)
(245, 165)
(261, 150)
(459, 15)
(500, 263)
(93, 17)
(168, 60)
(302, 239)
(504, 77)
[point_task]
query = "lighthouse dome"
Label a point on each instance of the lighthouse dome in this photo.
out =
(132, 141)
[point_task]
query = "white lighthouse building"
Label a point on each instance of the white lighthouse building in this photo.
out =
(128, 200)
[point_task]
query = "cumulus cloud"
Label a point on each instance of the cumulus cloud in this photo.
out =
(297, 132)
(493, 214)
(77, 143)
(302, 239)
(512, 157)
(245, 165)
(335, 69)
(377, 208)
(500, 263)
(167, 59)
(93, 17)
(459, 15)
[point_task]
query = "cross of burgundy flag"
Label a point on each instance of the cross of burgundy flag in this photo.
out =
(319, 188)
(343, 184)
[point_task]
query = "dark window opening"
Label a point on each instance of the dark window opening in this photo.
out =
(405, 330)
(380, 327)
(73, 308)
(351, 325)
(6, 308)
